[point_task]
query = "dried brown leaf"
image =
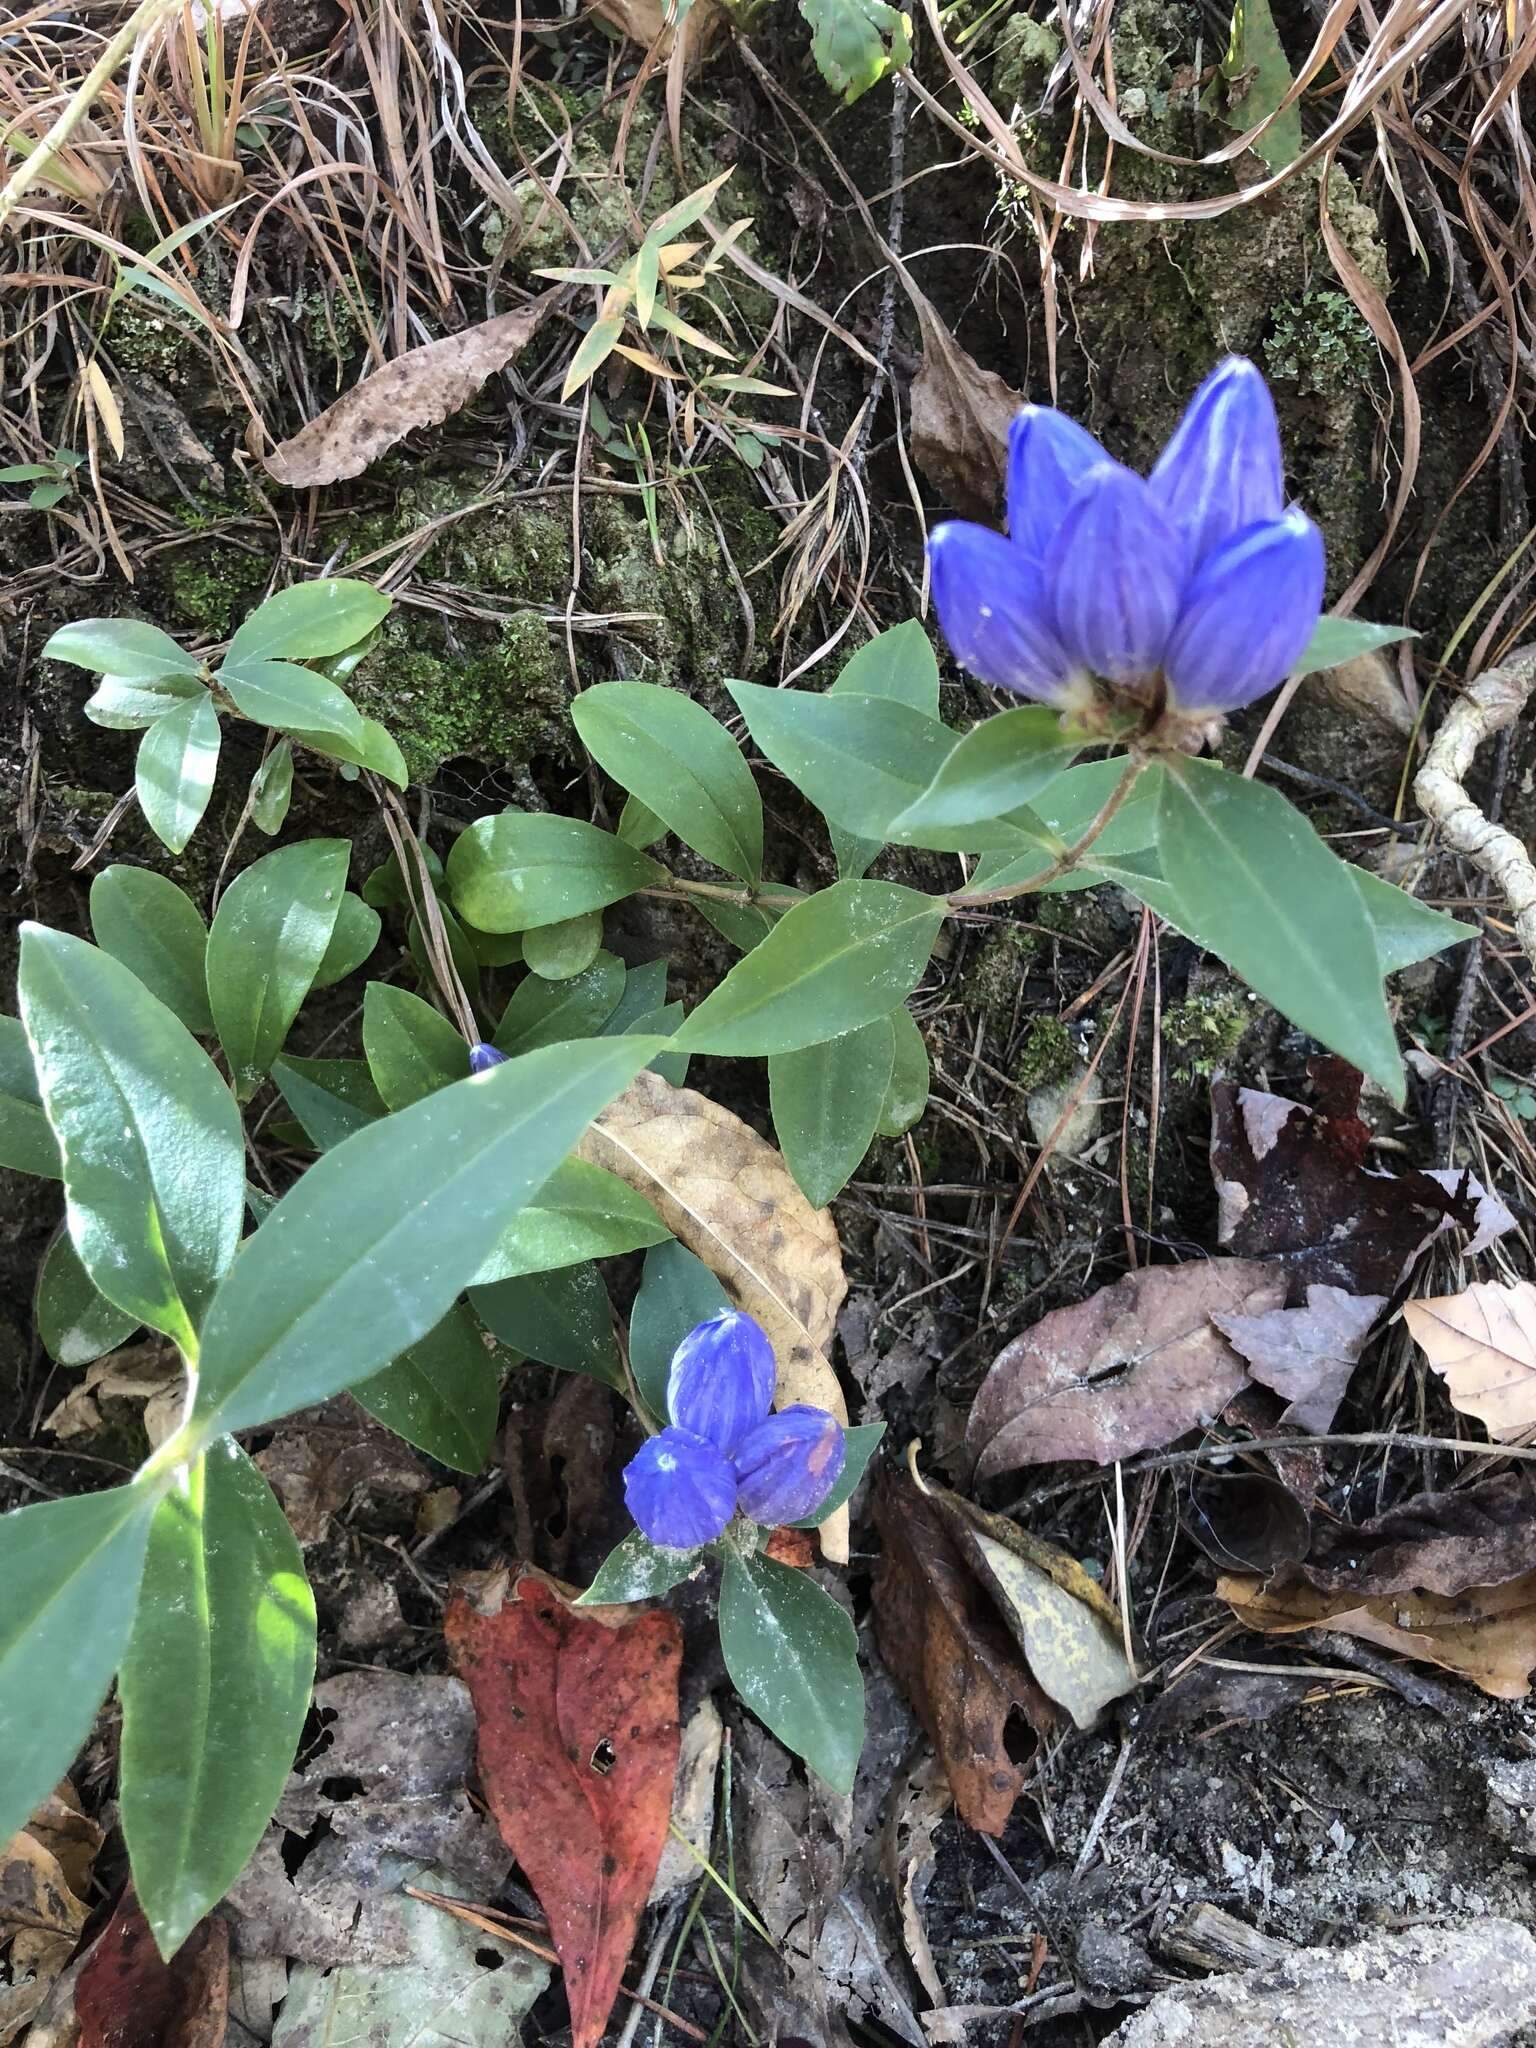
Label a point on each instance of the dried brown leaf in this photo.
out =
(1486, 1634)
(652, 24)
(1294, 1186)
(44, 1873)
(1128, 1370)
(320, 1457)
(961, 416)
(147, 1377)
(950, 1653)
(1306, 1354)
(1246, 1521)
(419, 389)
(1481, 1535)
(728, 1196)
(1483, 1345)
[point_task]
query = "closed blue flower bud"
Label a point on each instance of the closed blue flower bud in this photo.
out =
(1115, 572)
(680, 1490)
(1048, 457)
(991, 602)
(721, 1381)
(483, 1057)
(1221, 470)
(1247, 615)
(786, 1467)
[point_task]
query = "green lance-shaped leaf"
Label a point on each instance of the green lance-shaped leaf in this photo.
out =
(865, 761)
(119, 704)
(907, 1096)
(292, 700)
(582, 1212)
(562, 1319)
(1257, 887)
(75, 1320)
(272, 790)
(1000, 764)
(677, 1293)
(330, 1098)
(526, 868)
(215, 1686)
(1335, 641)
(543, 1012)
(27, 1143)
(1407, 931)
(155, 929)
(666, 750)
(900, 664)
(270, 934)
(177, 761)
(826, 1102)
(412, 1049)
(835, 962)
(309, 621)
(441, 1395)
(375, 750)
(353, 938)
(559, 952)
(637, 1569)
(150, 1135)
(793, 1656)
(71, 1570)
(368, 1251)
(129, 648)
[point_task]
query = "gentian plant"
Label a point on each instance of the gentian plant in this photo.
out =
(723, 1453)
(421, 1192)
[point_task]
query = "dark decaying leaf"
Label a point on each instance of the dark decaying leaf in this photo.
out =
(1482, 1535)
(128, 1998)
(961, 415)
(1294, 1187)
(1246, 1520)
(419, 389)
(1128, 1370)
(1213, 1693)
(950, 1653)
(578, 1744)
(1306, 1354)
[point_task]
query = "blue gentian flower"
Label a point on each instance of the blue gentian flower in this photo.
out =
(1197, 583)
(483, 1057)
(725, 1451)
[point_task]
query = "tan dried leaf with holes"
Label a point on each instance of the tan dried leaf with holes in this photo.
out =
(45, 1872)
(1483, 1345)
(419, 389)
(961, 416)
(728, 1196)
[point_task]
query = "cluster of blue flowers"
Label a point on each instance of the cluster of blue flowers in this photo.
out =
(1197, 581)
(725, 1453)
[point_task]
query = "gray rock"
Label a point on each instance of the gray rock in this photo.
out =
(1430, 1987)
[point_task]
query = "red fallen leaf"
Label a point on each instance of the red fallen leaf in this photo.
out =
(1294, 1187)
(128, 1998)
(578, 1742)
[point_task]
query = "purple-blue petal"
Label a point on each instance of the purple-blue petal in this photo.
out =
(786, 1467)
(1221, 470)
(680, 1490)
(483, 1057)
(1048, 457)
(1247, 615)
(722, 1378)
(991, 600)
(1115, 572)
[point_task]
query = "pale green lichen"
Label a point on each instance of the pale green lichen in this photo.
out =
(1321, 342)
